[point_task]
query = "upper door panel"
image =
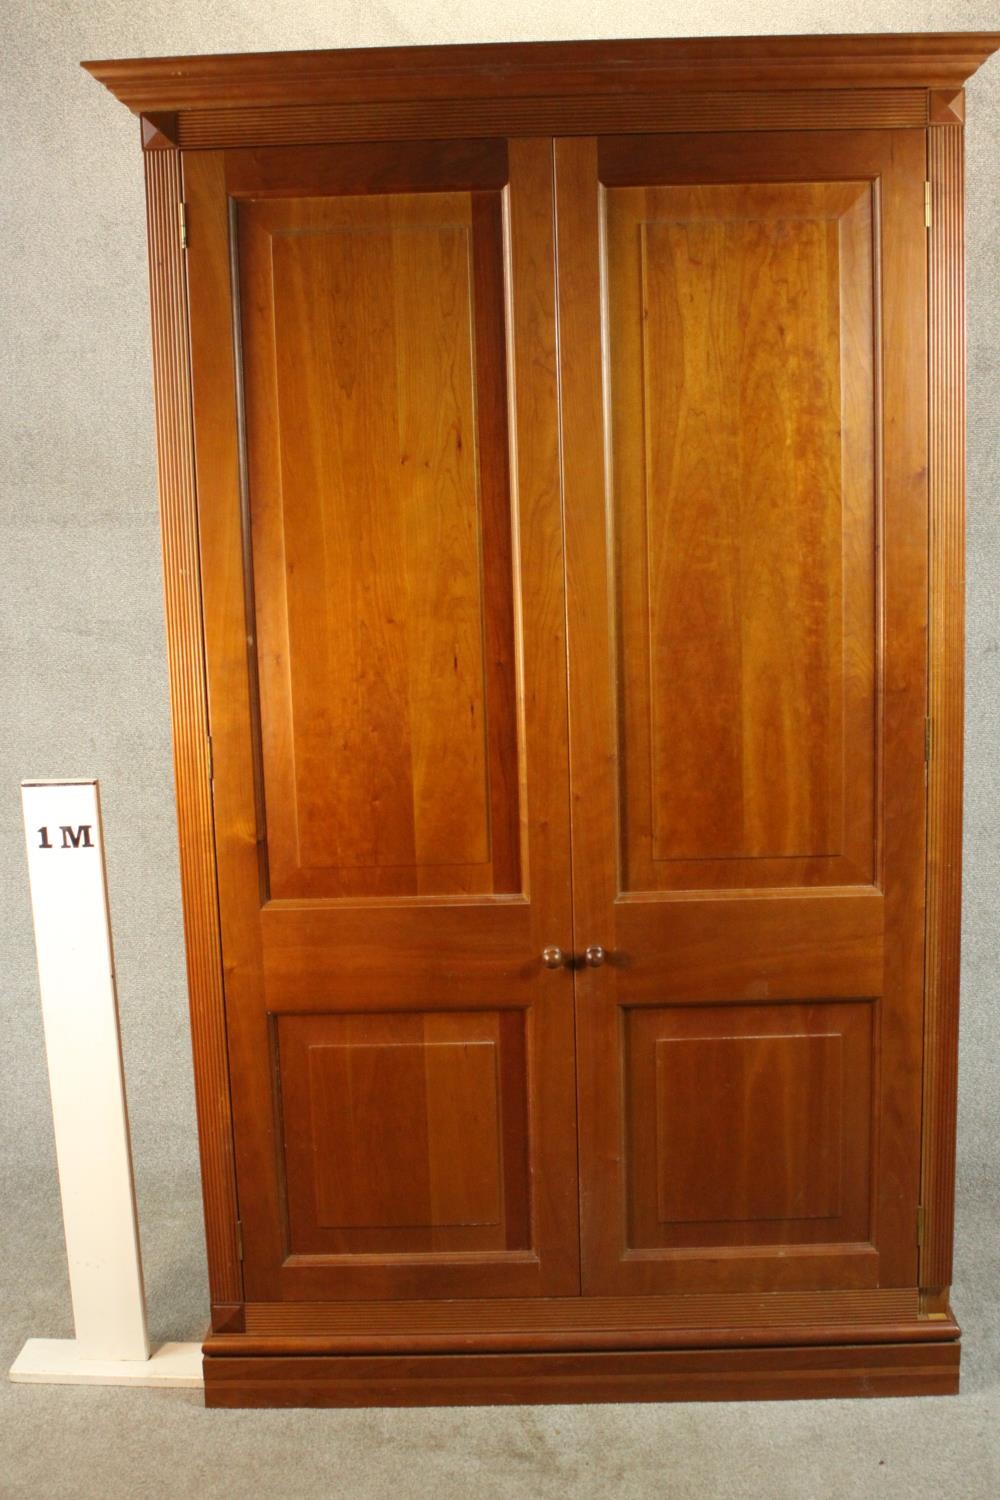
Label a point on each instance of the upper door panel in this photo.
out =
(374, 358)
(377, 438)
(742, 351)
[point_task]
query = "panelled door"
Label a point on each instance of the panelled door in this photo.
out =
(374, 373)
(470, 418)
(742, 350)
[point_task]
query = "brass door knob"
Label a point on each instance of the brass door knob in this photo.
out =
(594, 956)
(553, 958)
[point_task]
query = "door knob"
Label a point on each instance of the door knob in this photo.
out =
(594, 956)
(553, 958)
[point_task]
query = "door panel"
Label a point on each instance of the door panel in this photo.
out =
(742, 375)
(378, 447)
(385, 633)
(743, 497)
(748, 1124)
(728, 942)
(426, 1115)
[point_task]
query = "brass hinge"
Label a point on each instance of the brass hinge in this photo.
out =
(182, 224)
(921, 1217)
(927, 204)
(210, 757)
(927, 740)
(239, 1238)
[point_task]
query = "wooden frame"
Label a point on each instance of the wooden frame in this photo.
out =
(763, 83)
(946, 372)
(189, 716)
(789, 1374)
(875, 82)
(542, 70)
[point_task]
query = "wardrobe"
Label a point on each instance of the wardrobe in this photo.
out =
(561, 474)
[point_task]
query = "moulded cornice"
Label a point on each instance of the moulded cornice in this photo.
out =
(932, 60)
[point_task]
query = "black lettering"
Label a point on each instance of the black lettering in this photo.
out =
(43, 842)
(75, 838)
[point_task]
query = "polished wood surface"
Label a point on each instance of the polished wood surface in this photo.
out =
(741, 353)
(760, 354)
(512, 71)
(380, 511)
(641, 1375)
(539, 89)
(405, 1133)
(946, 315)
(748, 1125)
(447, 119)
(189, 718)
(474, 408)
(382, 916)
(718, 1314)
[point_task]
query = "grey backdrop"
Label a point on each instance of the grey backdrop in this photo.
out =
(84, 692)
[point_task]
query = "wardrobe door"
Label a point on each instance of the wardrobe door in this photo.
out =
(742, 346)
(376, 433)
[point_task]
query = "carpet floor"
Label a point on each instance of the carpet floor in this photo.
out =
(88, 1443)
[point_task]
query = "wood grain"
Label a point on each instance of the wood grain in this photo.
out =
(946, 309)
(159, 132)
(741, 336)
(946, 107)
(901, 853)
(696, 1320)
(338, 957)
(768, 946)
(576, 1316)
(365, 450)
(404, 1133)
(227, 678)
(189, 717)
(746, 1336)
(444, 119)
(366, 168)
(766, 1091)
(711, 948)
(502, 1379)
(713, 1160)
(520, 70)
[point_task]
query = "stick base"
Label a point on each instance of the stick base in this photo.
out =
(58, 1362)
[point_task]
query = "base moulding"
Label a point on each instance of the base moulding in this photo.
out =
(736, 1374)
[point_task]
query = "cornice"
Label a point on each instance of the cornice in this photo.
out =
(931, 60)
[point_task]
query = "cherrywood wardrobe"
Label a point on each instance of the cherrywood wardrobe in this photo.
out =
(561, 466)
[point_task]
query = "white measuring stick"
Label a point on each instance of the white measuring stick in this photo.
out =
(69, 901)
